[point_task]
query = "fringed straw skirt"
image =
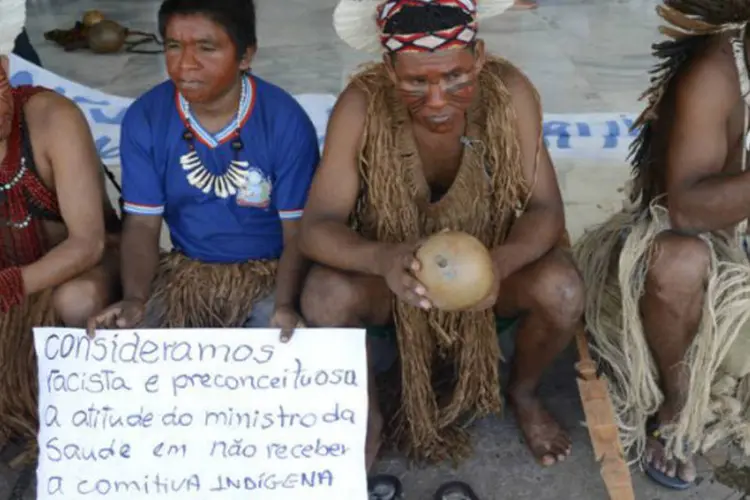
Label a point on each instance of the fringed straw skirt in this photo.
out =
(18, 367)
(191, 294)
(614, 258)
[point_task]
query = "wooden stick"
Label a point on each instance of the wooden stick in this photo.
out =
(602, 426)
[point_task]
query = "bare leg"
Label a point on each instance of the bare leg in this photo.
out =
(82, 297)
(549, 295)
(336, 299)
(671, 310)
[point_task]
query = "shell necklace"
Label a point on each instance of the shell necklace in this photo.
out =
(221, 185)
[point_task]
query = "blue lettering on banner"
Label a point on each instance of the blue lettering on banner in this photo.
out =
(99, 117)
(111, 153)
(572, 135)
(560, 131)
(21, 78)
(611, 138)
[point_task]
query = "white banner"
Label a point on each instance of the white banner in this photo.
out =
(589, 135)
(202, 414)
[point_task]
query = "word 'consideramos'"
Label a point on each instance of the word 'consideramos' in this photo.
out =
(136, 350)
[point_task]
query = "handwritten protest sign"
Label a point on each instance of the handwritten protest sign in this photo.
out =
(202, 414)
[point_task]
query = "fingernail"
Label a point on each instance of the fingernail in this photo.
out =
(419, 290)
(425, 304)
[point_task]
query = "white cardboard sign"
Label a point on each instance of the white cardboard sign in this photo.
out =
(202, 414)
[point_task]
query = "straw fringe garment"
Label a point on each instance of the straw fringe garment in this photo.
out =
(614, 260)
(191, 294)
(394, 206)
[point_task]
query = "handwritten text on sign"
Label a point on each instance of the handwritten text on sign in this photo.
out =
(197, 414)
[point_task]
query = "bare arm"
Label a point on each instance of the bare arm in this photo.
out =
(325, 236)
(292, 266)
(701, 196)
(541, 225)
(72, 155)
(140, 255)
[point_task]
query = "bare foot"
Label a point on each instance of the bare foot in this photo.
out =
(524, 5)
(374, 438)
(656, 457)
(548, 442)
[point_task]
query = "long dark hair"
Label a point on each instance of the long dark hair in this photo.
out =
(690, 25)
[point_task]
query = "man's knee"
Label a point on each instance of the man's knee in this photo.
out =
(558, 289)
(77, 300)
(329, 298)
(679, 264)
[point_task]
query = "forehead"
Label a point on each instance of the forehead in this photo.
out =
(195, 27)
(439, 62)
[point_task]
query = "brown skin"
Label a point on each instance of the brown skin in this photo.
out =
(203, 63)
(81, 264)
(355, 279)
(701, 139)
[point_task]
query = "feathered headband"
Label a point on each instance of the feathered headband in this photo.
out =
(682, 24)
(12, 21)
(360, 24)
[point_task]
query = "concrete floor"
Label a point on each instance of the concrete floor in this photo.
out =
(585, 56)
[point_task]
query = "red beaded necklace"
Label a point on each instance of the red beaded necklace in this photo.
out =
(21, 191)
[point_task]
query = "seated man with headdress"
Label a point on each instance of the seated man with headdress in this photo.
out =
(668, 277)
(440, 135)
(226, 159)
(56, 265)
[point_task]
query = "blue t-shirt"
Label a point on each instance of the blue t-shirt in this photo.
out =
(219, 205)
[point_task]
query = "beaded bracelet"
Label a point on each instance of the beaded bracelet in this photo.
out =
(11, 288)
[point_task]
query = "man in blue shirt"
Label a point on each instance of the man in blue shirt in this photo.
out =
(226, 159)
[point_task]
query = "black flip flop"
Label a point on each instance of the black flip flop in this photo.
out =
(653, 429)
(384, 487)
(455, 490)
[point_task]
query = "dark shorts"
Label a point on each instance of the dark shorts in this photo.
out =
(384, 350)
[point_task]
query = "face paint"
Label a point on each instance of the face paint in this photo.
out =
(201, 58)
(437, 88)
(6, 106)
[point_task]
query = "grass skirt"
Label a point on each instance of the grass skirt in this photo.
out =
(192, 294)
(18, 369)
(613, 258)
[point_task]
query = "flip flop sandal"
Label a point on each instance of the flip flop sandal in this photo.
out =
(384, 487)
(653, 429)
(455, 490)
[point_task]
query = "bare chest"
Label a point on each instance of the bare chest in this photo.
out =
(441, 161)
